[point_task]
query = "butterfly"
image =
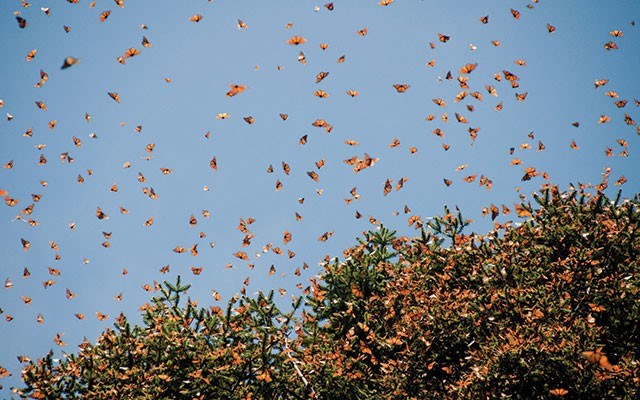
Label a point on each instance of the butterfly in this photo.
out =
(443, 38)
(249, 120)
(385, 2)
(321, 93)
(485, 19)
(352, 93)
(296, 40)
(321, 75)
(363, 32)
(329, 6)
(551, 28)
(236, 89)
(31, 55)
(22, 23)
(115, 96)
(559, 392)
(286, 237)
(401, 87)
(100, 214)
(616, 33)
(313, 175)
(284, 116)
(468, 68)
(195, 18)
(145, 42)
(131, 52)
(242, 24)
(301, 58)
(104, 15)
(324, 46)
(521, 96)
(515, 13)
(438, 101)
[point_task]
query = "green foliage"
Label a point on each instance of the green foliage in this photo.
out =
(549, 308)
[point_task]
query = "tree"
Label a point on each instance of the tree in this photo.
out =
(544, 309)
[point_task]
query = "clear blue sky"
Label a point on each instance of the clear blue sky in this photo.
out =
(202, 59)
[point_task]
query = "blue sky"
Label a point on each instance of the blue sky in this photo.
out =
(201, 60)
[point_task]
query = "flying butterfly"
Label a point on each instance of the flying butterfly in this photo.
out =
(115, 96)
(296, 40)
(195, 18)
(401, 87)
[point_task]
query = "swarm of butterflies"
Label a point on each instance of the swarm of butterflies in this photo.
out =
(501, 89)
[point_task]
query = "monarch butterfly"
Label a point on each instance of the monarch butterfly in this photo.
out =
(610, 46)
(324, 46)
(278, 185)
(145, 42)
(298, 217)
(286, 237)
(468, 68)
(223, 115)
(321, 93)
(363, 32)
(41, 105)
(496, 43)
(515, 13)
(431, 63)
(66, 28)
(303, 140)
(115, 96)
(558, 392)
(320, 163)
(313, 175)
(485, 19)
(236, 89)
(148, 222)
(446, 147)
(241, 255)
(31, 55)
(329, 6)
(438, 101)
(195, 18)
(284, 116)
(521, 96)
(296, 40)
(100, 214)
(249, 120)
(352, 93)
(621, 103)
(470, 178)
(22, 23)
(385, 2)
(604, 119)
(301, 58)
(120, 3)
(447, 182)
(341, 59)
(101, 316)
(432, 45)
(286, 168)
(131, 52)
(401, 87)
(521, 63)
(197, 271)
(616, 33)
(600, 82)
(551, 28)
(460, 96)
(104, 15)
(321, 75)
(214, 163)
(443, 38)
(242, 24)
(461, 118)
(498, 106)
